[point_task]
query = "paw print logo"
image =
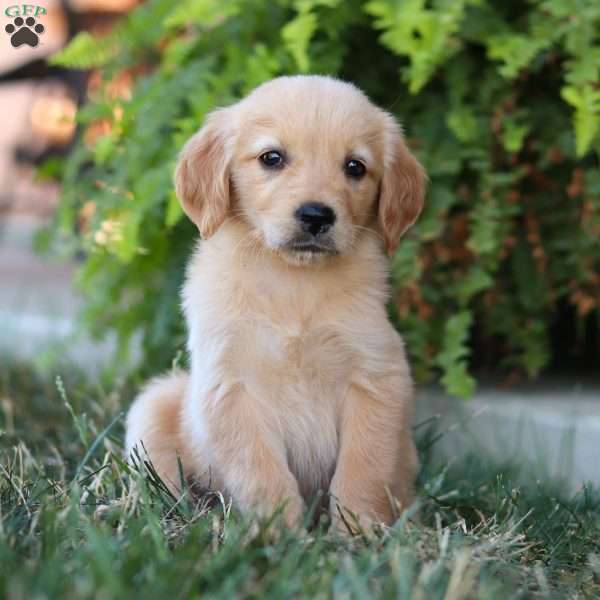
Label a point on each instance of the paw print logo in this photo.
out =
(24, 31)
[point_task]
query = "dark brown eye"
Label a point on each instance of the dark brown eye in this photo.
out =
(272, 159)
(354, 169)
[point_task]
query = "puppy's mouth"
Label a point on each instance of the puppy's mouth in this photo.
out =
(310, 245)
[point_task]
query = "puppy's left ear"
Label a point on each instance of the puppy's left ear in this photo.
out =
(402, 191)
(202, 178)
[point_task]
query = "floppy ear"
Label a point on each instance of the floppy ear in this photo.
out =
(402, 188)
(202, 175)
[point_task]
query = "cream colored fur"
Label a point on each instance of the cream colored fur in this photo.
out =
(298, 381)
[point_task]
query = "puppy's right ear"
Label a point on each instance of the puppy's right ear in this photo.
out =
(202, 174)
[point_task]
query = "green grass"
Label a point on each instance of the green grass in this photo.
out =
(72, 526)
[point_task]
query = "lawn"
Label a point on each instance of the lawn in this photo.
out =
(75, 522)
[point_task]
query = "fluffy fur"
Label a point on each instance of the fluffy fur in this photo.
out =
(298, 381)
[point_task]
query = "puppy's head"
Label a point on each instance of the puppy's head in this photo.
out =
(308, 164)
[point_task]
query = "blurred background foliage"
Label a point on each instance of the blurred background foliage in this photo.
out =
(500, 101)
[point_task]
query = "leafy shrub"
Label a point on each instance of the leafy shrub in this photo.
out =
(500, 100)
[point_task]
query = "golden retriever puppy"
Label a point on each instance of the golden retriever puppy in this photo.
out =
(298, 381)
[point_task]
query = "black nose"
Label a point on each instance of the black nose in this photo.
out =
(315, 217)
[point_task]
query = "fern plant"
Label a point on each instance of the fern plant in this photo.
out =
(501, 102)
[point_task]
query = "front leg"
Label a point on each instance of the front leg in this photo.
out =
(377, 460)
(250, 458)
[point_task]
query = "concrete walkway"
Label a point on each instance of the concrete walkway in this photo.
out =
(39, 304)
(555, 425)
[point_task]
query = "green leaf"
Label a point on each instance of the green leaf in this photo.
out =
(452, 358)
(205, 13)
(296, 37)
(515, 51)
(483, 238)
(536, 347)
(424, 35)
(86, 51)
(586, 119)
(463, 124)
(405, 266)
(433, 220)
(515, 128)
(261, 66)
(475, 281)
(104, 148)
(531, 287)
(174, 211)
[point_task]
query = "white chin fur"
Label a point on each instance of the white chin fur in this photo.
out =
(302, 259)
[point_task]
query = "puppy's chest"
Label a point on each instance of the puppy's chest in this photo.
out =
(300, 376)
(293, 358)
